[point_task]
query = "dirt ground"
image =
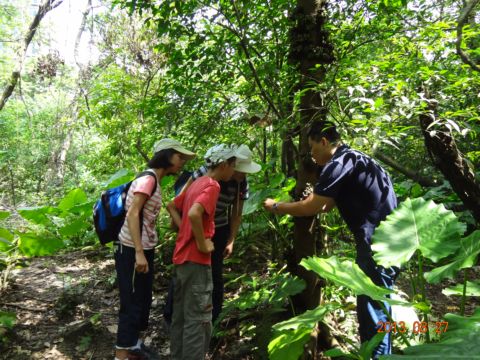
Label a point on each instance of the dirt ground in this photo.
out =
(67, 306)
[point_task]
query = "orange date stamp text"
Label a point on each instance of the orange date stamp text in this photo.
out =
(418, 327)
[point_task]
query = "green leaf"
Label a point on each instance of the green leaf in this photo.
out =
(6, 238)
(276, 180)
(416, 225)
(37, 215)
(74, 227)
(473, 289)
(347, 273)
(120, 177)
(4, 214)
(333, 353)
(290, 286)
(33, 245)
(367, 347)
(254, 202)
(73, 198)
(85, 208)
(288, 344)
(7, 319)
(465, 257)
(308, 319)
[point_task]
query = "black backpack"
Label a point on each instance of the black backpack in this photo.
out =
(109, 211)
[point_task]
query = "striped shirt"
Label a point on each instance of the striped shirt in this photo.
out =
(229, 190)
(151, 209)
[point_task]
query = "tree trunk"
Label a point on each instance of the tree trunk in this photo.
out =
(449, 160)
(309, 46)
(310, 51)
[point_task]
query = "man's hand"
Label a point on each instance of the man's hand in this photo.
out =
(228, 250)
(141, 264)
(205, 246)
(268, 204)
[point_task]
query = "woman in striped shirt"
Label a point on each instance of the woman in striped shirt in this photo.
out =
(135, 251)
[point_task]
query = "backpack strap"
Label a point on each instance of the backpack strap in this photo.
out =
(149, 173)
(146, 173)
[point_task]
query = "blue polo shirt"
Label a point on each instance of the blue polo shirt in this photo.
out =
(362, 190)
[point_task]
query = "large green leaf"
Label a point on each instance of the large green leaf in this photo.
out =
(74, 227)
(308, 319)
(83, 209)
(73, 198)
(254, 202)
(288, 344)
(6, 238)
(473, 289)
(4, 214)
(120, 177)
(466, 257)
(37, 215)
(291, 335)
(461, 340)
(416, 225)
(33, 245)
(347, 273)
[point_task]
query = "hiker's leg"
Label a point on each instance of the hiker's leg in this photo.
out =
(370, 313)
(143, 290)
(128, 316)
(176, 330)
(198, 312)
(220, 241)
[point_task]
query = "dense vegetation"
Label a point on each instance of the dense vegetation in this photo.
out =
(400, 78)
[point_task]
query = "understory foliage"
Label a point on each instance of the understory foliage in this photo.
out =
(206, 72)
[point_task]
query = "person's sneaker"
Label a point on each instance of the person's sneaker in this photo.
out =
(144, 353)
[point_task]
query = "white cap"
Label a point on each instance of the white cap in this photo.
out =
(248, 165)
(168, 143)
(220, 153)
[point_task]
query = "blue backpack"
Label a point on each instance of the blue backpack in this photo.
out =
(109, 211)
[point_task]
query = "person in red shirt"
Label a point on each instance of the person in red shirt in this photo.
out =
(192, 300)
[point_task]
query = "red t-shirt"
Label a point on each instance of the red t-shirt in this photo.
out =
(203, 191)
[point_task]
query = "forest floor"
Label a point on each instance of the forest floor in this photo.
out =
(66, 307)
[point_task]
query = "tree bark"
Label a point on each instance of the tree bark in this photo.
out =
(310, 51)
(448, 159)
(43, 9)
(309, 46)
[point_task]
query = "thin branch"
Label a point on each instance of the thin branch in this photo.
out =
(462, 19)
(43, 9)
(81, 29)
(411, 174)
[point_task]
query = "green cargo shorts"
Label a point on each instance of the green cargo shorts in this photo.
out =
(192, 311)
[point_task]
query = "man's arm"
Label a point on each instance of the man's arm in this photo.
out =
(235, 221)
(133, 219)
(310, 206)
(195, 214)
(174, 214)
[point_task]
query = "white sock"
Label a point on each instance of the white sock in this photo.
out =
(138, 346)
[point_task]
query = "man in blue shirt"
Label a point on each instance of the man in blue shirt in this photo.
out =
(363, 193)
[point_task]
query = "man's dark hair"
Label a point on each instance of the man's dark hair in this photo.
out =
(323, 129)
(161, 159)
